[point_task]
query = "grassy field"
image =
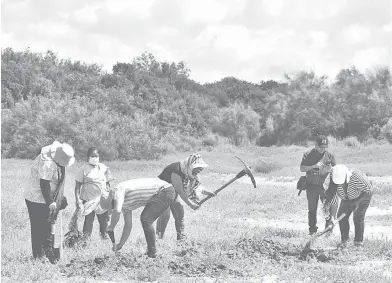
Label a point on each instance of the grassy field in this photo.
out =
(242, 235)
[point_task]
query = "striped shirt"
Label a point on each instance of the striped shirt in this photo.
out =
(137, 192)
(357, 185)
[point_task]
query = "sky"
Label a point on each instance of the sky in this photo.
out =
(251, 40)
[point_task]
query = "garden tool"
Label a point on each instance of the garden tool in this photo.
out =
(245, 171)
(308, 244)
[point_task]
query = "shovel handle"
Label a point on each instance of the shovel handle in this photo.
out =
(339, 218)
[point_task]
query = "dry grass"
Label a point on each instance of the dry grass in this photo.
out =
(211, 253)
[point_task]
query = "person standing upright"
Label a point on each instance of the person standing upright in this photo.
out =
(317, 164)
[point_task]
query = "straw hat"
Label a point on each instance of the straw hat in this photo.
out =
(62, 153)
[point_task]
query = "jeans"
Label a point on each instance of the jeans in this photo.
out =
(103, 220)
(41, 238)
(177, 209)
(314, 193)
(154, 208)
(359, 218)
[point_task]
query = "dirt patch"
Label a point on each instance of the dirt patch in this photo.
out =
(251, 248)
(189, 270)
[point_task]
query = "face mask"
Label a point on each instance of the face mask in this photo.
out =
(93, 160)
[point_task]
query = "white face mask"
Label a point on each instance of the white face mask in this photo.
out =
(93, 160)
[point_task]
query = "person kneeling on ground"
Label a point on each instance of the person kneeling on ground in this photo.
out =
(183, 176)
(355, 192)
(155, 195)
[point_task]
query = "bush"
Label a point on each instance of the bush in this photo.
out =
(386, 131)
(209, 142)
(267, 166)
(351, 142)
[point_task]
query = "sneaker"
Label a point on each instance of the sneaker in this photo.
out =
(358, 243)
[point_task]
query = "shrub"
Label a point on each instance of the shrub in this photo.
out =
(386, 131)
(209, 142)
(351, 142)
(266, 167)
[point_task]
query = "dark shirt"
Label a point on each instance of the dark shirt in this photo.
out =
(312, 157)
(169, 170)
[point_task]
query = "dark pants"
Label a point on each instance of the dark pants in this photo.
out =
(314, 193)
(359, 218)
(103, 220)
(155, 207)
(41, 238)
(178, 210)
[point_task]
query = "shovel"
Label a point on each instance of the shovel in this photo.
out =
(315, 236)
(245, 171)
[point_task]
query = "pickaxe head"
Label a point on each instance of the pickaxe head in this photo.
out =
(246, 171)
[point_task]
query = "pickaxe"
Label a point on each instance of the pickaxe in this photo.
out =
(245, 171)
(306, 249)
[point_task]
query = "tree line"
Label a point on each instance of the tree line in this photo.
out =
(145, 108)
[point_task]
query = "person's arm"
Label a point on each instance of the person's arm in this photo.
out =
(45, 174)
(127, 229)
(306, 168)
(46, 191)
(178, 187)
(109, 178)
(116, 213)
(78, 201)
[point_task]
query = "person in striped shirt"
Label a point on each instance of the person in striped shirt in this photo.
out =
(355, 192)
(183, 176)
(154, 194)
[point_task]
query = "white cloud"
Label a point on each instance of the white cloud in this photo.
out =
(139, 8)
(319, 39)
(274, 7)
(248, 39)
(375, 55)
(356, 34)
(86, 15)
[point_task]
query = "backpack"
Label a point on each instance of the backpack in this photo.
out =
(301, 184)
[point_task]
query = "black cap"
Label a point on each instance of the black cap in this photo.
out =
(322, 140)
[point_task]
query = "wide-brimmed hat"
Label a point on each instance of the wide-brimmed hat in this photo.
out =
(62, 153)
(340, 174)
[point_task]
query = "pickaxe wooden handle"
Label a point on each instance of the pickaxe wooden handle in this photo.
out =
(245, 171)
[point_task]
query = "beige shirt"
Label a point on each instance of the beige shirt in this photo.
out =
(43, 168)
(93, 180)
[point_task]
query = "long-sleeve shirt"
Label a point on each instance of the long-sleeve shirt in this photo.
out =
(357, 185)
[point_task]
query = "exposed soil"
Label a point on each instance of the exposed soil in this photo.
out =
(188, 261)
(278, 252)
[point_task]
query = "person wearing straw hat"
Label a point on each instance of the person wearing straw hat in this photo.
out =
(355, 191)
(92, 181)
(183, 176)
(44, 195)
